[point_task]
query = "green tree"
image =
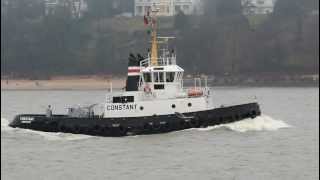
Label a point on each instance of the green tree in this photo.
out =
(100, 8)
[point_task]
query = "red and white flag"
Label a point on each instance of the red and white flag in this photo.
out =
(146, 21)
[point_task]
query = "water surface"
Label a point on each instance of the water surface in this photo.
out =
(282, 144)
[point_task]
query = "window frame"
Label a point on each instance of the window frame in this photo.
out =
(170, 76)
(145, 78)
(122, 99)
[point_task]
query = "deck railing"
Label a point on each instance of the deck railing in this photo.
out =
(162, 61)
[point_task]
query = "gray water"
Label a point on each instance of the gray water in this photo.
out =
(282, 144)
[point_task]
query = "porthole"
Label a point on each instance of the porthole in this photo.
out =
(189, 104)
(173, 106)
(141, 108)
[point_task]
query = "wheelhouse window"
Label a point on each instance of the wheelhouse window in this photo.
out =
(170, 76)
(159, 86)
(161, 76)
(179, 76)
(158, 68)
(158, 77)
(147, 77)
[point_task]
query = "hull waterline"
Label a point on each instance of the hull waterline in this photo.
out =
(115, 127)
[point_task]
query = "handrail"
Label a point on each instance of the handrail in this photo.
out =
(162, 61)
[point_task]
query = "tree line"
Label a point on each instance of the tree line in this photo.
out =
(222, 41)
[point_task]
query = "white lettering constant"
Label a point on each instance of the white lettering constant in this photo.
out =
(120, 107)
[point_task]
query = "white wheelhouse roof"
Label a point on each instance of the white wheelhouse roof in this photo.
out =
(169, 68)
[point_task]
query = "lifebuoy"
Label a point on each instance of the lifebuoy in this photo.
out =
(147, 89)
(195, 92)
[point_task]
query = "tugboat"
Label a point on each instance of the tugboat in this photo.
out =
(153, 101)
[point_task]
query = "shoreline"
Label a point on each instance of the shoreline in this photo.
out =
(63, 84)
(119, 83)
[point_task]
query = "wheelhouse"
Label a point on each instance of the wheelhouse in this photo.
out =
(161, 77)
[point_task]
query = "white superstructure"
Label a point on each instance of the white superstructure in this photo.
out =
(155, 83)
(160, 92)
(258, 6)
(77, 7)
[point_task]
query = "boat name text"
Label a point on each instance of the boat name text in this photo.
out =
(121, 107)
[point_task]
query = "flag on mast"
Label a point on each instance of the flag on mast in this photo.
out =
(146, 21)
(146, 18)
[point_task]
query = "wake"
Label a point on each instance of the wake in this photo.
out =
(51, 136)
(260, 123)
(5, 125)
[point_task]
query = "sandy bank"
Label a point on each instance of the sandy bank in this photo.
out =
(103, 82)
(63, 84)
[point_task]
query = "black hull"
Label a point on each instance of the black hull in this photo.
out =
(114, 127)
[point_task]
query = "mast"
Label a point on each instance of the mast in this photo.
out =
(152, 21)
(154, 46)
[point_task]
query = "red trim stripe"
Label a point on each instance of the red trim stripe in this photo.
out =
(133, 70)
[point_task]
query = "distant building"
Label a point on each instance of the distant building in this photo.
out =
(258, 6)
(168, 7)
(123, 7)
(77, 7)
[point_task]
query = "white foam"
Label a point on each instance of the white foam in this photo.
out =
(5, 125)
(51, 136)
(4, 122)
(260, 123)
(46, 135)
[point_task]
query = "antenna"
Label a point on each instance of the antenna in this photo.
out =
(154, 45)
